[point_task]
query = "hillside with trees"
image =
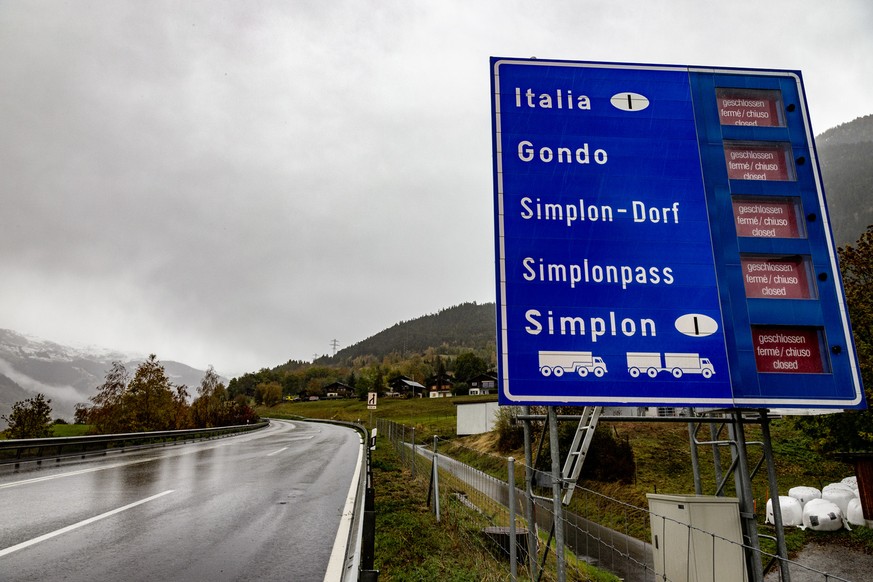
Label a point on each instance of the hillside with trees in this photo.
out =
(845, 154)
(466, 327)
(458, 342)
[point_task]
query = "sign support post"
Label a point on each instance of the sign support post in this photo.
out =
(781, 546)
(557, 495)
(743, 482)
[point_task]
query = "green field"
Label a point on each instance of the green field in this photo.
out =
(429, 416)
(70, 430)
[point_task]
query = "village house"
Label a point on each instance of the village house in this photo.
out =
(485, 383)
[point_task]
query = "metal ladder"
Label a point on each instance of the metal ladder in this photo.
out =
(579, 449)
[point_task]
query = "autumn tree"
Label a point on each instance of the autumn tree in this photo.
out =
(149, 402)
(30, 419)
(181, 409)
(107, 409)
(268, 393)
(209, 409)
(853, 431)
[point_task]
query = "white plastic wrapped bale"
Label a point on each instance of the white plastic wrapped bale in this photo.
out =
(839, 494)
(821, 515)
(854, 513)
(836, 486)
(792, 511)
(851, 482)
(804, 494)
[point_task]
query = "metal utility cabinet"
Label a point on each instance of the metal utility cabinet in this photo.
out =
(697, 538)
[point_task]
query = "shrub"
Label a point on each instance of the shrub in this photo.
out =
(510, 434)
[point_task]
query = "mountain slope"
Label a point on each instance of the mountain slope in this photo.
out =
(64, 374)
(465, 327)
(845, 153)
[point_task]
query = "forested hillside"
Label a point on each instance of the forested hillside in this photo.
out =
(846, 157)
(459, 341)
(466, 327)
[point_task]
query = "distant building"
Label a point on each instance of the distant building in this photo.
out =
(483, 384)
(440, 386)
(338, 390)
(403, 386)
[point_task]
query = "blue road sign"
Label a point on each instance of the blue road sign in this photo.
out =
(621, 217)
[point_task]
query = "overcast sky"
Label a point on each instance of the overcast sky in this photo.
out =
(240, 183)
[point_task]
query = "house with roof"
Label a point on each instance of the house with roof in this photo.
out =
(336, 390)
(440, 386)
(485, 383)
(405, 387)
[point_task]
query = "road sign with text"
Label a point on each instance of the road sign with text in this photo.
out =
(653, 224)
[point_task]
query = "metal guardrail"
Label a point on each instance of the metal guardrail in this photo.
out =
(358, 565)
(16, 451)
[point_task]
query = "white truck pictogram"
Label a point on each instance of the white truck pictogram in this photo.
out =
(677, 364)
(582, 363)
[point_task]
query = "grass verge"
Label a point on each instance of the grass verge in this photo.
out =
(412, 546)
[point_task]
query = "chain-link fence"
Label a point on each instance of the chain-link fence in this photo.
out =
(676, 539)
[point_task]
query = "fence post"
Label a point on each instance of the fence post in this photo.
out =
(513, 551)
(413, 452)
(436, 481)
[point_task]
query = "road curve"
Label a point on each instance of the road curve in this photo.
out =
(260, 506)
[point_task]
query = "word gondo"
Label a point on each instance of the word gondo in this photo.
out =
(562, 155)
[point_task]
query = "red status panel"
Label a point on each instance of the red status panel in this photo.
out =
(759, 161)
(767, 217)
(788, 350)
(777, 277)
(759, 108)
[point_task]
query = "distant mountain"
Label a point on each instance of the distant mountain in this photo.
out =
(846, 157)
(465, 327)
(64, 374)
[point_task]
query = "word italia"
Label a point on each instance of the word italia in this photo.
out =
(557, 100)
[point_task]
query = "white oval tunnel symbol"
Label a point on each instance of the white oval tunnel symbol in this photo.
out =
(629, 101)
(696, 325)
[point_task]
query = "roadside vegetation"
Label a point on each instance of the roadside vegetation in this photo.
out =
(649, 458)
(412, 546)
(147, 401)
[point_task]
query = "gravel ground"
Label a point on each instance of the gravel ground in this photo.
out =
(819, 563)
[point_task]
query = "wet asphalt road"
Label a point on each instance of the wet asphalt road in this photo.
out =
(260, 506)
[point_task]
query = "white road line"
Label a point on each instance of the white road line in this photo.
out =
(340, 543)
(277, 452)
(197, 447)
(83, 523)
(72, 473)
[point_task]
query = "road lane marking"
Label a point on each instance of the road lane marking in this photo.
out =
(277, 452)
(337, 555)
(83, 523)
(73, 473)
(197, 447)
